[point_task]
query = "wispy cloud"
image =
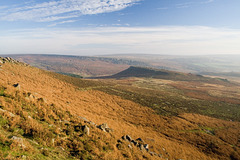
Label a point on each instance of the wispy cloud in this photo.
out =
(208, 1)
(63, 22)
(62, 9)
(194, 3)
(109, 40)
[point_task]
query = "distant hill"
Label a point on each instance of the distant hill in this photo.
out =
(78, 65)
(145, 72)
(191, 64)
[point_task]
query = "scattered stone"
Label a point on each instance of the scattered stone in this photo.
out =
(19, 141)
(124, 137)
(17, 85)
(11, 114)
(104, 127)
(119, 141)
(159, 155)
(135, 143)
(153, 154)
(128, 138)
(129, 146)
(146, 146)
(42, 100)
(91, 123)
(2, 110)
(61, 148)
(109, 130)
(24, 157)
(45, 152)
(86, 129)
(141, 146)
(140, 139)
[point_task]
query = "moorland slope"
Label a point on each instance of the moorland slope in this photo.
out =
(42, 111)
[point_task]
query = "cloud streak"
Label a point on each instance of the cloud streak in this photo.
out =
(62, 9)
(186, 40)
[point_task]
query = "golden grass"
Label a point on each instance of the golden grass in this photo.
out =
(173, 137)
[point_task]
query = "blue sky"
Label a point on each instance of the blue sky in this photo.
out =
(94, 27)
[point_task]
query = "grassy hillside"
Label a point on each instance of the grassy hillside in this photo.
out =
(43, 115)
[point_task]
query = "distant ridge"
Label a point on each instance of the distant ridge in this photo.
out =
(146, 72)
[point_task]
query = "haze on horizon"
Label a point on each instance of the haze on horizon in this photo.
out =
(97, 27)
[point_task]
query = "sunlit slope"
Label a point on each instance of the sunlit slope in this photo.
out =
(187, 136)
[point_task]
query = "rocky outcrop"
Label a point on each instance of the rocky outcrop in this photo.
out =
(139, 143)
(19, 141)
(104, 127)
(10, 60)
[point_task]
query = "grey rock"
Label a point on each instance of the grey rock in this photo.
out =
(141, 147)
(11, 114)
(119, 141)
(146, 146)
(109, 130)
(19, 141)
(103, 127)
(86, 129)
(124, 137)
(153, 154)
(128, 138)
(129, 146)
(17, 85)
(135, 143)
(91, 123)
(24, 157)
(140, 139)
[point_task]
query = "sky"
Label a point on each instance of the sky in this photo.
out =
(100, 27)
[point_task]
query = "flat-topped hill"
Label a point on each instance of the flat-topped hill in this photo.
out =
(146, 72)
